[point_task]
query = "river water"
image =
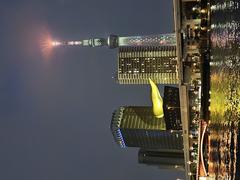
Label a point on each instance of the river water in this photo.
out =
(224, 155)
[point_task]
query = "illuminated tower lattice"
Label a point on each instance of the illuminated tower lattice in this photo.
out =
(139, 57)
(147, 57)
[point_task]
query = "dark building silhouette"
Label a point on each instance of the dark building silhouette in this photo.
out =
(137, 127)
(171, 107)
(171, 159)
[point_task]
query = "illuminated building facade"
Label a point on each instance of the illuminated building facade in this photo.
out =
(137, 127)
(143, 57)
(137, 64)
(139, 57)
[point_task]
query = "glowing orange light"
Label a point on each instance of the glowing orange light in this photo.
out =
(47, 44)
(56, 43)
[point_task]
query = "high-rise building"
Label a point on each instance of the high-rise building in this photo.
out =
(136, 64)
(164, 159)
(138, 127)
(139, 57)
(171, 108)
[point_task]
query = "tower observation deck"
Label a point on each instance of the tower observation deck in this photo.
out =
(114, 41)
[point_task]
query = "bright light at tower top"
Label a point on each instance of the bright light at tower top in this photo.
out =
(56, 43)
(74, 43)
(68, 43)
(114, 41)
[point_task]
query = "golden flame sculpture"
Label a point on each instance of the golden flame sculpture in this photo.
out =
(157, 100)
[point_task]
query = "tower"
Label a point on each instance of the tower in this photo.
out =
(140, 58)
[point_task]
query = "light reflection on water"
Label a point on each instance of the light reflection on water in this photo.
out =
(225, 90)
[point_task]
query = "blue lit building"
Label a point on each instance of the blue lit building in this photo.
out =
(137, 127)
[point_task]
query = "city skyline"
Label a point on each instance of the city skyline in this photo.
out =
(174, 91)
(50, 105)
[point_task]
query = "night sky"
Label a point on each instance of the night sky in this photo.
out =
(55, 111)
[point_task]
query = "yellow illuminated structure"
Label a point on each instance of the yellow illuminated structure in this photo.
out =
(157, 100)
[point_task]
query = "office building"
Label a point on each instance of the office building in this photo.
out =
(136, 64)
(163, 159)
(171, 108)
(138, 127)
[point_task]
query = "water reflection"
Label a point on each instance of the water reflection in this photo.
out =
(225, 90)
